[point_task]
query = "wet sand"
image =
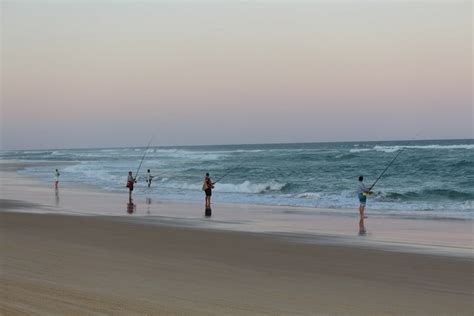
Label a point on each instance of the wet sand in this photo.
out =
(95, 265)
(144, 264)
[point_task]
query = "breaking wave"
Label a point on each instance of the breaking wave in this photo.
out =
(309, 195)
(359, 150)
(244, 187)
(249, 187)
(391, 149)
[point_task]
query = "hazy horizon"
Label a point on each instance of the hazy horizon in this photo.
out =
(144, 145)
(110, 74)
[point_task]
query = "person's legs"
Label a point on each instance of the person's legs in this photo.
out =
(56, 184)
(361, 221)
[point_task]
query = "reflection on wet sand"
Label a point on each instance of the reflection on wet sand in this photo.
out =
(148, 203)
(131, 207)
(56, 197)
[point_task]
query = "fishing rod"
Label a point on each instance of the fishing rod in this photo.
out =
(391, 162)
(143, 158)
(383, 172)
(229, 172)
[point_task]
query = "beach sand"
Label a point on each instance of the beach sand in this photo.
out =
(95, 265)
(54, 264)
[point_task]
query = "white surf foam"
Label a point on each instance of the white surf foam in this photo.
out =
(391, 149)
(358, 150)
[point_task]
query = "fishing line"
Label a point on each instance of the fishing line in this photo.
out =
(393, 160)
(229, 172)
(143, 158)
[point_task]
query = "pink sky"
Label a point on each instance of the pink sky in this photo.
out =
(87, 74)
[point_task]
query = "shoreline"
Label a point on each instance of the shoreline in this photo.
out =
(80, 252)
(303, 225)
(225, 198)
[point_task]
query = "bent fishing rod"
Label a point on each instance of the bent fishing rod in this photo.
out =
(391, 162)
(143, 158)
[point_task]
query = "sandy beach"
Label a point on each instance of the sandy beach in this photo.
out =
(55, 264)
(92, 264)
(265, 157)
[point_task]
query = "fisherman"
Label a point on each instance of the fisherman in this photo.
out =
(207, 187)
(130, 183)
(148, 178)
(362, 192)
(56, 179)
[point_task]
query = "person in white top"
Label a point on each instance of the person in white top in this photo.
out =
(56, 178)
(362, 192)
(148, 178)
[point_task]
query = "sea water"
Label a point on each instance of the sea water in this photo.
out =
(430, 179)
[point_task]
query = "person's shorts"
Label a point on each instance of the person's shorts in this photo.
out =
(362, 198)
(208, 192)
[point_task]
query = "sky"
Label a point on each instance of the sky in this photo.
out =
(77, 74)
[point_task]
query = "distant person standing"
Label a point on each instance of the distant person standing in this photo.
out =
(130, 183)
(362, 192)
(207, 187)
(56, 179)
(148, 178)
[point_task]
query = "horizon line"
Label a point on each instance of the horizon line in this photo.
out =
(244, 144)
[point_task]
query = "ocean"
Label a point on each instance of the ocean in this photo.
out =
(430, 179)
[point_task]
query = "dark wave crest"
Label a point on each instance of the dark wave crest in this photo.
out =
(426, 195)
